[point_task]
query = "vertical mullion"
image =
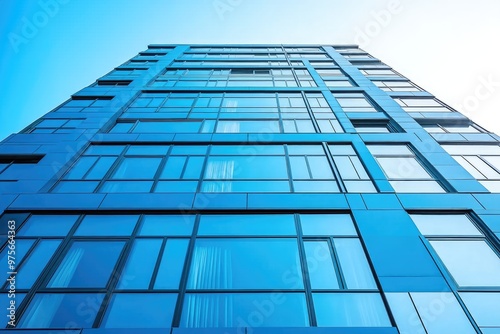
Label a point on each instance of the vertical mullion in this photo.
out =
(305, 273)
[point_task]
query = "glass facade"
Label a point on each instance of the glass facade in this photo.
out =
(251, 188)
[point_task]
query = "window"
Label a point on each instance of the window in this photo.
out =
(57, 310)
(452, 128)
(373, 127)
(88, 101)
(481, 161)
(237, 261)
(483, 308)
(123, 312)
(227, 168)
(353, 173)
(403, 170)
(462, 248)
(227, 264)
(84, 267)
(54, 125)
(324, 115)
(351, 310)
(10, 164)
(354, 102)
(240, 77)
(378, 72)
(207, 310)
(424, 105)
(396, 86)
(412, 313)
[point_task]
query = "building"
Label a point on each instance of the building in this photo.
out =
(251, 189)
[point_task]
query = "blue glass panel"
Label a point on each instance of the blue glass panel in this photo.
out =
(470, 262)
(322, 273)
(57, 310)
(248, 150)
(172, 263)
(245, 264)
(245, 186)
(100, 168)
(189, 150)
(445, 225)
(483, 306)
(82, 187)
(354, 265)
(147, 150)
(140, 264)
(246, 167)
(176, 186)
(441, 313)
(84, 266)
(167, 225)
(327, 224)
(45, 225)
(35, 263)
(80, 168)
(173, 168)
(244, 310)
(271, 224)
(417, 187)
(316, 186)
(137, 168)
(104, 150)
(21, 248)
(193, 168)
(350, 310)
(122, 128)
(126, 187)
(123, 310)
(404, 313)
(11, 305)
(107, 225)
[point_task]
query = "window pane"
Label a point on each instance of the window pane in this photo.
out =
(140, 264)
(483, 306)
(137, 168)
(107, 225)
(126, 187)
(100, 168)
(417, 187)
(471, 262)
(238, 309)
(41, 226)
(84, 266)
(327, 225)
(248, 186)
(246, 167)
(173, 168)
(450, 318)
(247, 225)
(123, 310)
(172, 263)
(245, 264)
(167, 225)
(6, 304)
(446, 225)
(322, 273)
(22, 248)
(350, 310)
(57, 310)
(35, 263)
(405, 314)
(354, 265)
(402, 168)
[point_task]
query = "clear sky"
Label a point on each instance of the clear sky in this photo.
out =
(50, 49)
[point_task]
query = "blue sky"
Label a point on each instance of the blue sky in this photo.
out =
(53, 48)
